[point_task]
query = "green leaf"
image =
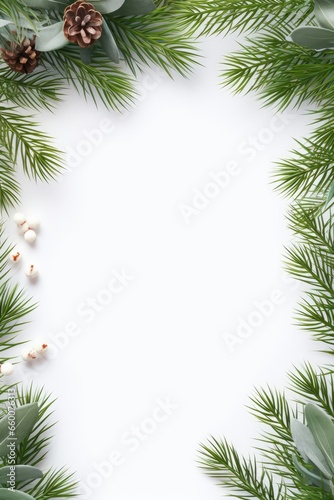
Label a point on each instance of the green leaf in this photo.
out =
(46, 4)
(135, 8)
(26, 417)
(107, 6)
(322, 428)
(51, 38)
(6, 494)
(86, 54)
(313, 37)
(324, 13)
(310, 476)
(22, 473)
(307, 447)
(108, 43)
(5, 22)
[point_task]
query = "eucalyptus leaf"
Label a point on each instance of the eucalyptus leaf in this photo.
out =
(322, 428)
(135, 8)
(313, 37)
(6, 494)
(22, 473)
(86, 54)
(51, 38)
(308, 448)
(25, 418)
(108, 43)
(47, 4)
(5, 22)
(311, 477)
(107, 6)
(324, 13)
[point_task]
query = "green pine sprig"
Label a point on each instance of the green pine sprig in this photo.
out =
(101, 79)
(15, 305)
(272, 474)
(157, 38)
(33, 450)
(225, 16)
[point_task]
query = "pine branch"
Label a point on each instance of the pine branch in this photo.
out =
(29, 145)
(9, 187)
(273, 474)
(314, 386)
(14, 306)
(311, 260)
(55, 484)
(101, 79)
(154, 38)
(221, 16)
(43, 89)
(33, 450)
(308, 172)
(18, 10)
(243, 477)
(282, 72)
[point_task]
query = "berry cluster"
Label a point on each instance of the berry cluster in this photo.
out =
(28, 228)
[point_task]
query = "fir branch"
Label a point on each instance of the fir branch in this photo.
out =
(33, 450)
(14, 306)
(271, 408)
(242, 476)
(282, 72)
(221, 16)
(309, 170)
(311, 260)
(154, 38)
(100, 79)
(16, 10)
(9, 187)
(55, 484)
(273, 474)
(42, 89)
(40, 160)
(316, 386)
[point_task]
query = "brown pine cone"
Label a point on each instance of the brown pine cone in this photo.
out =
(21, 57)
(82, 24)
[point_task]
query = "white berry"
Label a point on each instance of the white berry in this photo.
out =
(30, 236)
(23, 227)
(32, 271)
(41, 347)
(33, 223)
(29, 354)
(6, 368)
(19, 219)
(15, 255)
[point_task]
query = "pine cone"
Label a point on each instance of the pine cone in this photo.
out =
(21, 57)
(82, 24)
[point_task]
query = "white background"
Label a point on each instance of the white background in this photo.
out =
(163, 337)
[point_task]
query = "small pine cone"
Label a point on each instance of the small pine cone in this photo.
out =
(82, 23)
(21, 57)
